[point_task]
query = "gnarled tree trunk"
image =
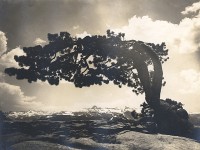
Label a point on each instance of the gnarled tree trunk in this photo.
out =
(152, 88)
(170, 118)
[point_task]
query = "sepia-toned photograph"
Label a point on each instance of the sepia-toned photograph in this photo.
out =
(99, 75)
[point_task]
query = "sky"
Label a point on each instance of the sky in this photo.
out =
(27, 22)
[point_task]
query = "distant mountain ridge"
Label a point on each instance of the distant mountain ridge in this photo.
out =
(90, 111)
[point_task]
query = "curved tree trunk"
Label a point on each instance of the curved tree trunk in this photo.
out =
(169, 117)
(169, 120)
(157, 79)
(152, 88)
(144, 77)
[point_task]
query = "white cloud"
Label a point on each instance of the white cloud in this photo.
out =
(39, 41)
(194, 8)
(188, 35)
(144, 28)
(82, 35)
(12, 98)
(182, 37)
(3, 43)
(191, 79)
(7, 59)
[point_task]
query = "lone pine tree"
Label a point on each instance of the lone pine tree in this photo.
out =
(97, 60)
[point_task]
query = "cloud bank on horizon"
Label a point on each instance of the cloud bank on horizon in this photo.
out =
(181, 72)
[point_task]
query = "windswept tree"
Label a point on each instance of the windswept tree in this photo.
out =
(98, 60)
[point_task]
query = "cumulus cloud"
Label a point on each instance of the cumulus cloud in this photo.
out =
(3, 43)
(82, 35)
(39, 41)
(144, 28)
(192, 9)
(12, 98)
(191, 79)
(182, 37)
(7, 59)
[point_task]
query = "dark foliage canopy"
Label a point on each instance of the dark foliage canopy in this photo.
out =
(90, 60)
